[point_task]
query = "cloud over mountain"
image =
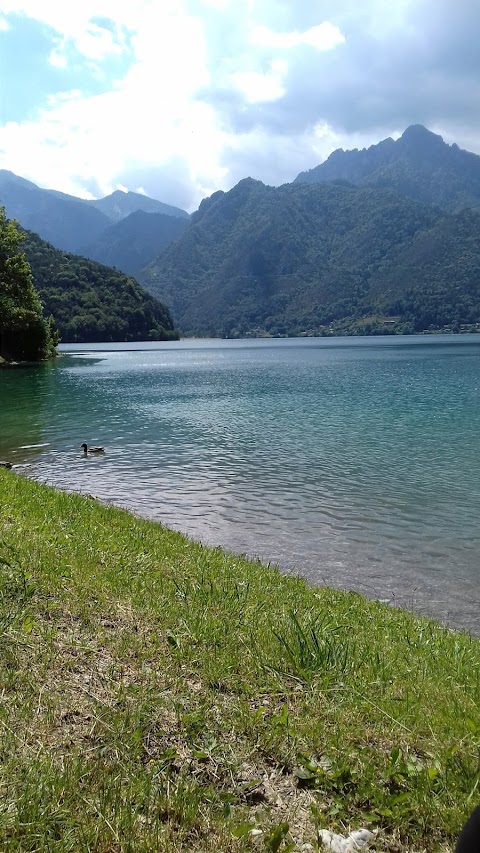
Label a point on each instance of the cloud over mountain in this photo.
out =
(187, 96)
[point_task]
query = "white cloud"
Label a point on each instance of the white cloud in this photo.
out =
(96, 42)
(57, 59)
(217, 89)
(4, 25)
(220, 5)
(322, 37)
(76, 141)
(260, 87)
(150, 115)
(75, 22)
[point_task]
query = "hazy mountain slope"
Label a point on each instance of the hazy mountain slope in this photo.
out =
(10, 177)
(63, 220)
(285, 259)
(120, 204)
(133, 242)
(71, 223)
(419, 164)
(91, 302)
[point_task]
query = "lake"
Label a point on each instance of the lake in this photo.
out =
(350, 461)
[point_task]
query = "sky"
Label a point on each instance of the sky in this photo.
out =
(180, 98)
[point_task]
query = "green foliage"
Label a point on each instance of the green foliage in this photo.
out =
(318, 259)
(313, 644)
(136, 240)
(161, 695)
(90, 302)
(25, 335)
(435, 280)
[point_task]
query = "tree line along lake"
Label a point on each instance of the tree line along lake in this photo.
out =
(350, 461)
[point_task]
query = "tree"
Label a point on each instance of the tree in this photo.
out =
(25, 335)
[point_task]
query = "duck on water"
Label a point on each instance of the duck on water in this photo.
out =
(95, 450)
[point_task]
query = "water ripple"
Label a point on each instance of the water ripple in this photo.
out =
(353, 464)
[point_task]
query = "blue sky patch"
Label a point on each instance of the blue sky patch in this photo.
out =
(28, 79)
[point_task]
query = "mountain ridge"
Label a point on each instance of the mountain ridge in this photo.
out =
(355, 245)
(311, 258)
(68, 222)
(418, 164)
(119, 204)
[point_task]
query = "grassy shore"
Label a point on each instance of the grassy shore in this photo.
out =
(157, 695)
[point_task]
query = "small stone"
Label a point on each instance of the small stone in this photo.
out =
(256, 833)
(345, 844)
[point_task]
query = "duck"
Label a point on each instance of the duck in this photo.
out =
(86, 449)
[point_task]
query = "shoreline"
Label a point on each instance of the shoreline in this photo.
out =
(404, 601)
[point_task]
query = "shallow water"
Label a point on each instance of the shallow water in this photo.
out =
(350, 461)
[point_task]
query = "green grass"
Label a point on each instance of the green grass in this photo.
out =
(157, 695)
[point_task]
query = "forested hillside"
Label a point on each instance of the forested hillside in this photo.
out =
(133, 242)
(435, 280)
(300, 258)
(379, 240)
(419, 164)
(91, 302)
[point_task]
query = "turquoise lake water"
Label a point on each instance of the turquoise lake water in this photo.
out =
(353, 462)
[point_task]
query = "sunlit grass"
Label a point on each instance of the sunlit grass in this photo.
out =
(159, 695)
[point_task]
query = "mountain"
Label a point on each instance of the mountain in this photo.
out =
(66, 221)
(91, 302)
(71, 223)
(120, 204)
(133, 242)
(419, 164)
(434, 280)
(311, 258)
